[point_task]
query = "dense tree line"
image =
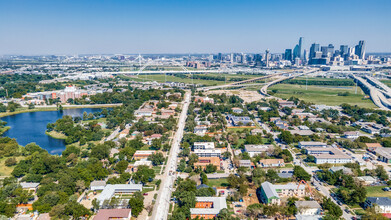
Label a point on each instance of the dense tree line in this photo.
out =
(20, 84)
(339, 82)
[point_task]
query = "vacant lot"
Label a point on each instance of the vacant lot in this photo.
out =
(376, 191)
(218, 182)
(6, 171)
(327, 95)
(247, 96)
(187, 79)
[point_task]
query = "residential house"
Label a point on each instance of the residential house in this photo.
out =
(203, 145)
(284, 103)
(254, 150)
(351, 134)
(166, 113)
(329, 155)
(132, 168)
(208, 207)
(200, 130)
(208, 152)
(308, 144)
(97, 185)
(240, 120)
(205, 161)
(111, 214)
(142, 154)
(29, 186)
(383, 154)
(256, 131)
(372, 146)
(271, 194)
(345, 170)
(366, 180)
(110, 190)
(271, 163)
(308, 207)
(237, 110)
(203, 100)
(381, 204)
(246, 163)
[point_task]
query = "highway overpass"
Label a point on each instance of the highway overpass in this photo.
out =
(376, 95)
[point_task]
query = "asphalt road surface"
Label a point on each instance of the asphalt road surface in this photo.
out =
(160, 211)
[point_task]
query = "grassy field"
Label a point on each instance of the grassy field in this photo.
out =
(163, 78)
(376, 191)
(4, 129)
(327, 95)
(4, 170)
(56, 135)
(217, 182)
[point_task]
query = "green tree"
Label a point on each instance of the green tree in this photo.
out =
(144, 174)
(156, 158)
(136, 203)
(301, 174)
(121, 166)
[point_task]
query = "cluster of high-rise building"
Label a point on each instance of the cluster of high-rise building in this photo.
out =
(326, 55)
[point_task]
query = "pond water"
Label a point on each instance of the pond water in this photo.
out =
(31, 126)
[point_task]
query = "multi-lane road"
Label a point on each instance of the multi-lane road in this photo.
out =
(160, 211)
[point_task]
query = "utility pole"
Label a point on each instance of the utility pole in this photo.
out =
(306, 79)
(356, 87)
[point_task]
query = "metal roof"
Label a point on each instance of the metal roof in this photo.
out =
(380, 201)
(269, 190)
(219, 203)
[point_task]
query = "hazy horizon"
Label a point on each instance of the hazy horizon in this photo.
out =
(68, 27)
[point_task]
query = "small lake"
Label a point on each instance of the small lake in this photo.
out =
(31, 126)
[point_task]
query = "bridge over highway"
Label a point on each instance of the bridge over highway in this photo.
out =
(383, 88)
(376, 95)
(263, 90)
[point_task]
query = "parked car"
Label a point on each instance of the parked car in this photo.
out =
(238, 205)
(145, 194)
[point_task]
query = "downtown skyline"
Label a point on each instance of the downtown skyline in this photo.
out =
(103, 27)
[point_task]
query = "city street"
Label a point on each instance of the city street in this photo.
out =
(323, 190)
(162, 204)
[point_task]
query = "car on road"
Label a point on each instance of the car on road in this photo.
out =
(238, 205)
(145, 194)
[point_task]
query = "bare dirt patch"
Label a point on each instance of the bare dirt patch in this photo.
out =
(247, 96)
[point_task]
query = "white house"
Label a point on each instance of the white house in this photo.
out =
(308, 207)
(382, 204)
(203, 145)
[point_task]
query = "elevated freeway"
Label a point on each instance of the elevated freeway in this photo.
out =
(376, 95)
(263, 90)
(383, 88)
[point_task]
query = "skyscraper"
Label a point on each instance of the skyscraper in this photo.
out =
(344, 49)
(298, 50)
(288, 54)
(360, 49)
(267, 57)
(313, 49)
(327, 51)
(301, 53)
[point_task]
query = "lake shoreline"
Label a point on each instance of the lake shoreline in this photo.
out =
(44, 109)
(56, 135)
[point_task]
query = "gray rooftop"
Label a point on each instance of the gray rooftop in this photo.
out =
(110, 190)
(26, 185)
(269, 190)
(381, 201)
(219, 203)
(307, 204)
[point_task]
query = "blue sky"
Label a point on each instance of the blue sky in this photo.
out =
(189, 26)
